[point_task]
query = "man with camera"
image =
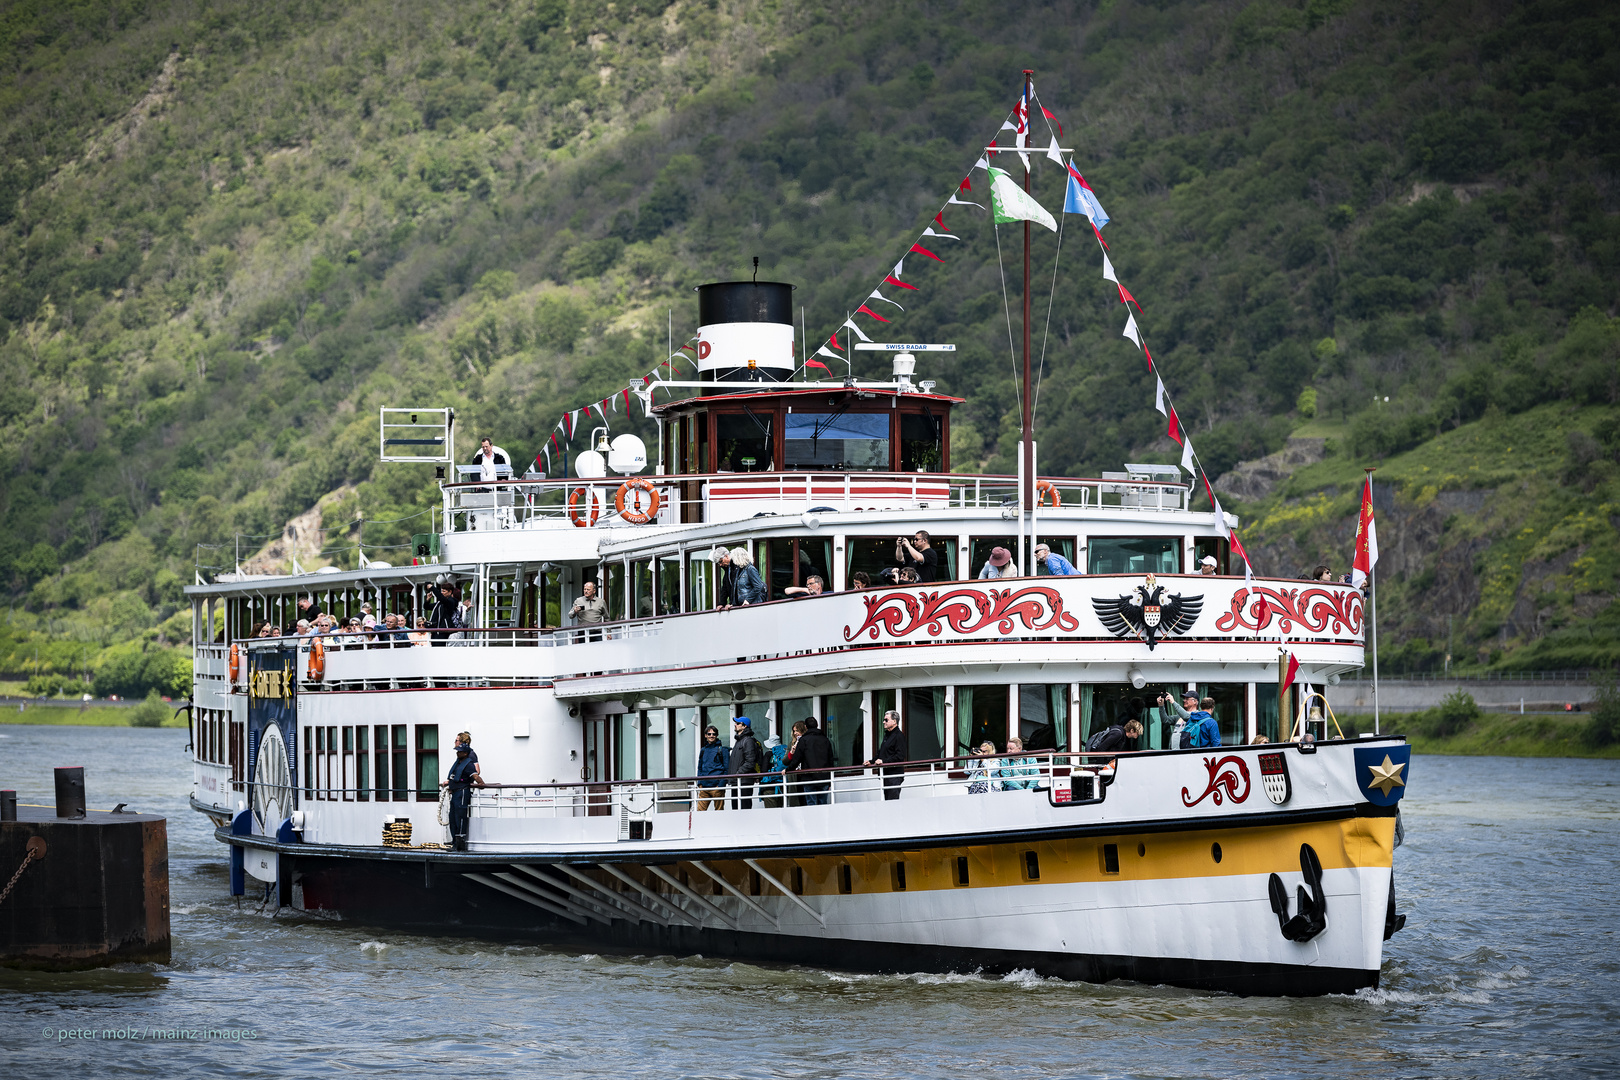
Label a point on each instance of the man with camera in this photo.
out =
(918, 555)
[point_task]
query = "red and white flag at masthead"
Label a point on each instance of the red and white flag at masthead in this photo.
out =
(1366, 540)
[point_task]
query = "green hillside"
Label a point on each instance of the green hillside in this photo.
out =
(230, 231)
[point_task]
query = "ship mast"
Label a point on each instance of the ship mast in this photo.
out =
(1026, 493)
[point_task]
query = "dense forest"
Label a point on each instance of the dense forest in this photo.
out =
(229, 232)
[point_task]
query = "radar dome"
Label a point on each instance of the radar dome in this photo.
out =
(589, 465)
(627, 456)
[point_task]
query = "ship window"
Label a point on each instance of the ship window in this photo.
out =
(427, 762)
(923, 716)
(668, 601)
(900, 876)
(1032, 866)
(875, 554)
(402, 763)
(1230, 709)
(615, 590)
(1060, 545)
(792, 562)
(921, 443)
(846, 883)
(742, 442)
(1110, 858)
(798, 880)
(1214, 546)
(362, 764)
(655, 744)
(331, 779)
(380, 746)
(790, 712)
(1043, 716)
(961, 870)
(701, 575)
(842, 441)
(641, 589)
(309, 764)
(981, 716)
(348, 761)
(980, 547)
(686, 741)
(1134, 555)
(844, 722)
(1102, 706)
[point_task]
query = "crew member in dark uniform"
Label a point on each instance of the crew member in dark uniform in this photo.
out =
(464, 775)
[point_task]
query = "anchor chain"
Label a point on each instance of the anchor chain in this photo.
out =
(35, 850)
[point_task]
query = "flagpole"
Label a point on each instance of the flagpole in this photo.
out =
(1026, 492)
(1372, 601)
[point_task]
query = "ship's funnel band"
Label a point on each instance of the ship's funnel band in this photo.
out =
(741, 346)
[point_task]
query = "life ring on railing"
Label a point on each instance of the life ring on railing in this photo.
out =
(236, 662)
(587, 516)
(636, 515)
(1044, 488)
(317, 660)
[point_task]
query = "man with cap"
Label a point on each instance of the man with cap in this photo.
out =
(1053, 563)
(998, 565)
(1206, 566)
(463, 776)
(747, 760)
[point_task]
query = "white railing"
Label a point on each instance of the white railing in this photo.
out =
(1047, 771)
(481, 507)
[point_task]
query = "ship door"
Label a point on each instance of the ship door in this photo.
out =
(596, 766)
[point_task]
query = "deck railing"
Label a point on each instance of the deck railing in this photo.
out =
(486, 506)
(1039, 771)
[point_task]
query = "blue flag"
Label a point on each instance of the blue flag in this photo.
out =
(1082, 200)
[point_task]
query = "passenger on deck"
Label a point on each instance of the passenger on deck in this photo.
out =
(1055, 564)
(812, 586)
(1015, 771)
(588, 608)
(908, 576)
(725, 579)
(420, 636)
(491, 460)
(1322, 573)
(446, 604)
(1206, 566)
(770, 784)
(1116, 736)
(368, 621)
(917, 555)
(464, 775)
(999, 565)
(892, 754)
(810, 762)
(859, 580)
(267, 630)
(304, 628)
(747, 760)
(308, 608)
(714, 762)
(979, 769)
(1201, 730)
(749, 587)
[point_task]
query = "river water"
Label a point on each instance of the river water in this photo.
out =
(1509, 966)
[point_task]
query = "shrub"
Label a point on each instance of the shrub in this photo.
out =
(1604, 727)
(1454, 713)
(149, 713)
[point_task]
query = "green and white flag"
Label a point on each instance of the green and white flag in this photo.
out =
(1009, 202)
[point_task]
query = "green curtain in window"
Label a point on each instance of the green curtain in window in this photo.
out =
(964, 719)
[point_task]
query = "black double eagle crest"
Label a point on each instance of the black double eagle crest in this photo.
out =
(1149, 613)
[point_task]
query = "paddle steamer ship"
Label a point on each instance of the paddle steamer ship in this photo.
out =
(1253, 868)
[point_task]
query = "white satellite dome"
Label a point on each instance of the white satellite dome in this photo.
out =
(628, 455)
(589, 465)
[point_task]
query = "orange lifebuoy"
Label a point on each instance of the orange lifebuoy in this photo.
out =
(1044, 488)
(636, 515)
(583, 518)
(317, 660)
(236, 662)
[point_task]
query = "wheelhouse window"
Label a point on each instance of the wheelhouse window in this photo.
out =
(922, 443)
(841, 441)
(1134, 555)
(742, 441)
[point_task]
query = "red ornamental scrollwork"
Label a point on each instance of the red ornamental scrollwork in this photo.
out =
(1225, 774)
(965, 611)
(1313, 610)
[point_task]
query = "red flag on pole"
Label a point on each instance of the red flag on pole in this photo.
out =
(819, 364)
(1293, 669)
(892, 280)
(1175, 426)
(1366, 540)
(966, 184)
(919, 249)
(1048, 114)
(1125, 296)
(864, 310)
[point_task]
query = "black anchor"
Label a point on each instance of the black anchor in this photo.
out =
(1312, 917)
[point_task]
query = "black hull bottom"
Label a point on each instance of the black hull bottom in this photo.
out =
(417, 897)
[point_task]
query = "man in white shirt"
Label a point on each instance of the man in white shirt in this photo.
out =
(490, 456)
